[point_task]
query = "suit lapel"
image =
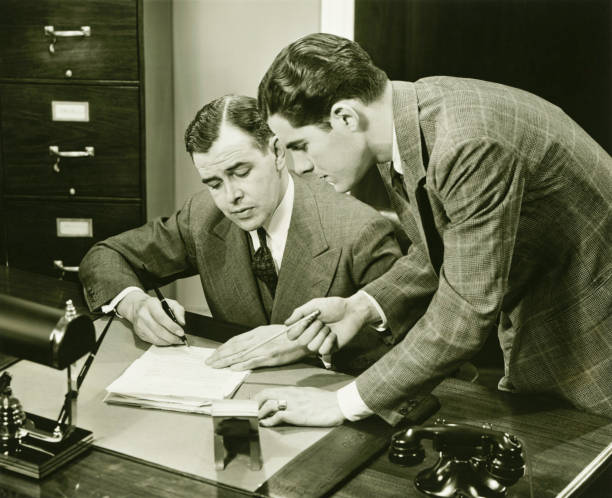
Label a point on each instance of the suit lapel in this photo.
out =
(407, 128)
(308, 265)
(228, 265)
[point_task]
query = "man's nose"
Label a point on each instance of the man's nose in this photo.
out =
(233, 192)
(302, 164)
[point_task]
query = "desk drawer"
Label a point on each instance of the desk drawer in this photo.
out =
(32, 230)
(109, 52)
(112, 133)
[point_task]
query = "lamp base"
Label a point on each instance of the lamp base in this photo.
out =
(35, 458)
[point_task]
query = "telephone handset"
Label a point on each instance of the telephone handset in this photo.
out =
(473, 461)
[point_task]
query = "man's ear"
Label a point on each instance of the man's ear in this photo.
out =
(278, 150)
(344, 115)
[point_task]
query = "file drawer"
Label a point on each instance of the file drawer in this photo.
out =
(91, 40)
(86, 104)
(97, 124)
(42, 232)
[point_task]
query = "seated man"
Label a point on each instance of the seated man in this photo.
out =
(262, 240)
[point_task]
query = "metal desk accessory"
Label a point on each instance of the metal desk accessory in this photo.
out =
(236, 426)
(29, 444)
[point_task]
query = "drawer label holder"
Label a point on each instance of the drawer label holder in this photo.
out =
(69, 111)
(74, 227)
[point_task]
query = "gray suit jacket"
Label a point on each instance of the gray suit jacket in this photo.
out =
(335, 245)
(518, 200)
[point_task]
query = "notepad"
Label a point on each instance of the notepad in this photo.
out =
(174, 378)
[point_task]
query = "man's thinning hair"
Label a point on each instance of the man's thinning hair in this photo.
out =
(237, 110)
(311, 74)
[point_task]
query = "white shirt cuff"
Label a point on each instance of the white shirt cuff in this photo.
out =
(381, 327)
(351, 405)
(107, 308)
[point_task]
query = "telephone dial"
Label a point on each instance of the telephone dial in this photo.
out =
(473, 461)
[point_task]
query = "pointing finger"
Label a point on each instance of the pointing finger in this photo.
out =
(302, 311)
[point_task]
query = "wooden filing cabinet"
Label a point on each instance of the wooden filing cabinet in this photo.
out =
(86, 125)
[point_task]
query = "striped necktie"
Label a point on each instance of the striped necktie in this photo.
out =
(263, 264)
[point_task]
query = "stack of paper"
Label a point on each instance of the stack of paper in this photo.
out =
(174, 378)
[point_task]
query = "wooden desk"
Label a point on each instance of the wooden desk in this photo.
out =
(560, 442)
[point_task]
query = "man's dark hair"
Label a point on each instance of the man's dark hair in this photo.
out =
(314, 72)
(236, 110)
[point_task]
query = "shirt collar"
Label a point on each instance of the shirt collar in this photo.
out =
(396, 158)
(278, 228)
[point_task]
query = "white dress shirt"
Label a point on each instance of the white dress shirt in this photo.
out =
(351, 404)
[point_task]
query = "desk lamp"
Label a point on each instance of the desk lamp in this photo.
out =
(30, 444)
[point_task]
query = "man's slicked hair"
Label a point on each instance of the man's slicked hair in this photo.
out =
(311, 74)
(237, 110)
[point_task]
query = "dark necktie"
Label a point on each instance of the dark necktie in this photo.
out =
(397, 182)
(263, 264)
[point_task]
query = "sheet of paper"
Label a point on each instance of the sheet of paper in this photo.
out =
(177, 374)
(118, 399)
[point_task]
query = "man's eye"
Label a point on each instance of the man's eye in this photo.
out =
(242, 172)
(302, 147)
(213, 185)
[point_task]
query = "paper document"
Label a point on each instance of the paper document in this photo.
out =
(174, 378)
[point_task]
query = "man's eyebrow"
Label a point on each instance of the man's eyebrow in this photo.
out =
(210, 179)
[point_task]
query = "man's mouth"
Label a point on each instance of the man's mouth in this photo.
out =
(243, 212)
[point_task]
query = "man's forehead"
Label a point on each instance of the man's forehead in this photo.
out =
(232, 139)
(286, 131)
(279, 123)
(232, 146)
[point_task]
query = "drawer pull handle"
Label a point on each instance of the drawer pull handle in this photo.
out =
(58, 263)
(54, 35)
(54, 151)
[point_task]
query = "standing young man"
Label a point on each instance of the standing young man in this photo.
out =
(507, 202)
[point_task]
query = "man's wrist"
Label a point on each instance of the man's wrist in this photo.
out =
(362, 308)
(125, 307)
(381, 323)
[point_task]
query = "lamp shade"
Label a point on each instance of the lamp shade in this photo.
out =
(42, 334)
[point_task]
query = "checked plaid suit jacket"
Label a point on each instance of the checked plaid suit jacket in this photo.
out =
(521, 199)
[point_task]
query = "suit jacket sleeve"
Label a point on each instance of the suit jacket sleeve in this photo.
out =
(164, 245)
(480, 184)
(405, 291)
(374, 250)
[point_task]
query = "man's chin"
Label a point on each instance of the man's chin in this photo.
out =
(247, 225)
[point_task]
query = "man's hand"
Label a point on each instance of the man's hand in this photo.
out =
(150, 321)
(307, 406)
(279, 351)
(338, 322)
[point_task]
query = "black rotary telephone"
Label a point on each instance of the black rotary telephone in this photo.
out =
(474, 462)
